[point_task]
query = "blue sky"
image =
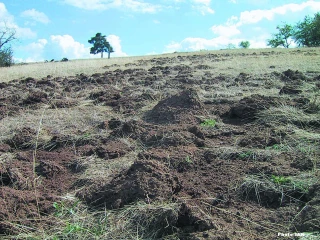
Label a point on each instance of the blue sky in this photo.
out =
(49, 29)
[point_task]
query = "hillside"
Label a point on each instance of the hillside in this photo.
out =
(203, 145)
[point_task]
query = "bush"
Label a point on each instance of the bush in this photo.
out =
(6, 57)
(244, 44)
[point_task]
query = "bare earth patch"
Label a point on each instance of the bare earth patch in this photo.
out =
(161, 148)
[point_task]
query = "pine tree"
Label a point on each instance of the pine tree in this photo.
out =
(100, 45)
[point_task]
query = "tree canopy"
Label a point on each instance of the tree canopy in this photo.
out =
(305, 33)
(100, 45)
(308, 31)
(283, 37)
(244, 44)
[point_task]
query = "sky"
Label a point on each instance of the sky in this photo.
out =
(54, 29)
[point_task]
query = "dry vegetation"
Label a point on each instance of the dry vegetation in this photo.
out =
(203, 145)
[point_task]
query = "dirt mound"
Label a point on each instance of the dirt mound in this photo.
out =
(247, 108)
(112, 149)
(290, 76)
(290, 89)
(36, 97)
(132, 128)
(191, 219)
(309, 218)
(24, 138)
(26, 195)
(144, 180)
(23, 207)
(180, 108)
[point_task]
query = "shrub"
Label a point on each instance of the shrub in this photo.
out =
(6, 57)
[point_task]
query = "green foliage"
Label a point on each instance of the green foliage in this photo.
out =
(73, 228)
(62, 209)
(247, 154)
(188, 160)
(208, 123)
(280, 180)
(244, 44)
(282, 38)
(307, 32)
(278, 147)
(100, 45)
(6, 57)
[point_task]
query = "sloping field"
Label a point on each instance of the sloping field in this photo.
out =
(203, 145)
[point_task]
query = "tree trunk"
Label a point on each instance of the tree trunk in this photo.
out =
(108, 55)
(101, 54)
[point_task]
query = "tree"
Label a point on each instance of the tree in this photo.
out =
(283, 37)
(7, 35)
(6, 57)
(307, 32)
(244, 44)
(100, 45)
(231, 46)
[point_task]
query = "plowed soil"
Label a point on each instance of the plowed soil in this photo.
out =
(159, 131)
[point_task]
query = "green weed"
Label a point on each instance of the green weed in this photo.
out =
(188, 160)
(61, 208)
(278, 147)
(246, 155)
(280, 180)
(208, 123)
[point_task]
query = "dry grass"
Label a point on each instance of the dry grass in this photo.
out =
(135, 222)
(227, 61)
(141, 220)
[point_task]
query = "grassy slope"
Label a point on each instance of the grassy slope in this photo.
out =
(302, 59)
(76, 219)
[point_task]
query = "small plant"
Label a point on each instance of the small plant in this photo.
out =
(208, 123)
(73, 228)
(188, 160)
(62, 209)
(280, 180)
(246, 154)
(86, 135)
(278, 147)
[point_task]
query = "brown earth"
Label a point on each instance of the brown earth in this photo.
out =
(178, 158)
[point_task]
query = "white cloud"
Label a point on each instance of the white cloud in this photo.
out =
(225, 30)
(115, 42)
(25, 33)
(172, 47)
(196, 44)
(36, 16)
(203, 6)
(4, 14)
(133, 5)
(7, 20)
(233, 1)
(204, 2)
(254, 16)
(34, 51)
(69, 47)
